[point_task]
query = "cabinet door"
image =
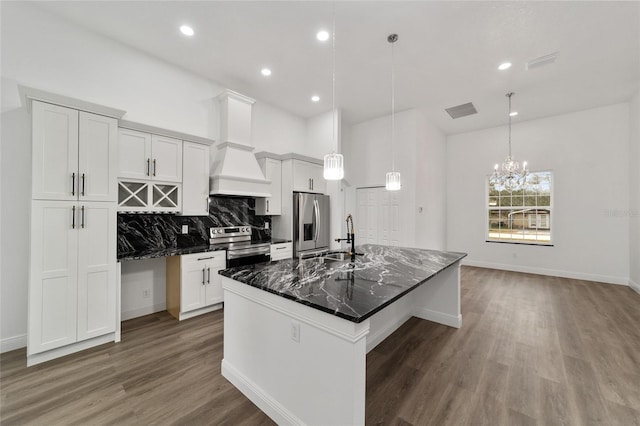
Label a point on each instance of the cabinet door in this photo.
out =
(214, 293)
(272, 170)
(134, 154)
(192, 284)
(318, 183)
(54, 152)
(195, 179)
(97, 157)
(53, 280)
(166, 161)
(308, 177)
(96, 269)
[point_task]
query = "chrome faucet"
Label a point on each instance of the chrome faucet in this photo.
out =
(351, 236)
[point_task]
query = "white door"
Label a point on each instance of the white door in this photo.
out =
(54, 152)
(53, 280)
(134, 154)
(195, 179)
(214, 293)
(97, 157)
(378, 218)
(192, 284)
(166, 162)
(96, 269)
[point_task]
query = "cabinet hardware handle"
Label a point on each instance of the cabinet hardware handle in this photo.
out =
(148, 166)
(73, 184)
(280, 248)
(206, 258)
(73, 217)
(82, 213)
(82, 193)
(203, 276)
(267, 205)
(208, 275)
(154, 166)
(309, 183)
(312, 182)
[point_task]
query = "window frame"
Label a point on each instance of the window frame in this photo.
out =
(551, 220)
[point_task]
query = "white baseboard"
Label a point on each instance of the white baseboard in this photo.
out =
(140, 312)
(69, 349)
(549, 272)
(634, 286)
(272, 408)
(13, 343)
(439, 317)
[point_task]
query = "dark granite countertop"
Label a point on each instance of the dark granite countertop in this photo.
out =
(350, 290)
(164, 252)
(279, 241)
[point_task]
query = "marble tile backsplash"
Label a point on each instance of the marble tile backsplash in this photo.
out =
(143, 232)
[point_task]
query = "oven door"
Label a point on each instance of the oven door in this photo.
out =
(248, 256)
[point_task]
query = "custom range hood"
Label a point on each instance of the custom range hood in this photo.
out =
(235, 170)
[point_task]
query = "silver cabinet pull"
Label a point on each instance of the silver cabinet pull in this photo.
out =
(82, 192)
(203, 276)
(208, 275)
(154, 166)
(312, 184)
(82, 214)
(267, 205)
(309, 183)
(280, 248)
(205, 258)
(73, 217)
(148, 166)
(73, 183)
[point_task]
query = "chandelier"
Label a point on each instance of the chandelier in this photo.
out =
(393, 182)
(334, 163)
(510, 174)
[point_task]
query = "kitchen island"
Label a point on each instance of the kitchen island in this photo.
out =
(296, 332)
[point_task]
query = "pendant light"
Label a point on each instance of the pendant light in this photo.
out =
(510, 174)
(334, 163)
(393, 182)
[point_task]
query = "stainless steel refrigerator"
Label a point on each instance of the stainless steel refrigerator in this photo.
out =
(310, 224)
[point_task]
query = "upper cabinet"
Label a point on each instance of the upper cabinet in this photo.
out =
(150, 157)
(272, 169)
(308, 177)
(195, 179)
(74, 154)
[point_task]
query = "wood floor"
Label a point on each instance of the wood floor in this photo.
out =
(532, 350)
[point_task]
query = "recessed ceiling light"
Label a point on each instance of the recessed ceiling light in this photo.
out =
(266, 72)
(315, 98)
(513, 113)
(504, 66)
(322, 35)
(187, 30)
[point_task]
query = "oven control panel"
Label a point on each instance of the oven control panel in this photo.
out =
(230, 232)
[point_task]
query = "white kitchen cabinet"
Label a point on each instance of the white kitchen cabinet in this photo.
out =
(308, 177)
(146, 156)
(72, 293)
(281, 251)
(195, 179)
(194, 286)
(148, 197)
(272, 169)
(74, 154)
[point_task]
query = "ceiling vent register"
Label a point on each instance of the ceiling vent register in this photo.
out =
(462, 110)
(542, 61)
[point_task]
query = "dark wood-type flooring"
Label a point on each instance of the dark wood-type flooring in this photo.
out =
(532, 350)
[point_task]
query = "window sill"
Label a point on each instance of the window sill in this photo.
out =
(519, 243)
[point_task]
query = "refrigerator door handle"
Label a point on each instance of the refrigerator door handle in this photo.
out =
(316, 209)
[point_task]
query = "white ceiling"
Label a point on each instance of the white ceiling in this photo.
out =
(447, 53)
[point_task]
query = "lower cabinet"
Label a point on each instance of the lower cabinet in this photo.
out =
(194, 286)
(73, 277)
(281, 251)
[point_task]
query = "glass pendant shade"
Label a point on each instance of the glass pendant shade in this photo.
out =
(393, 181)
(333, 166)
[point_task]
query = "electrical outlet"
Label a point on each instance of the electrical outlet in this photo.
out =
(295, 331)
(146, 293)
(185, 229)
(266, 225)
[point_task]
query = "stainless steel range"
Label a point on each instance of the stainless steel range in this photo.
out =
(240, 250)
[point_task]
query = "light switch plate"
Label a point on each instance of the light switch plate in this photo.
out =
(185, 229)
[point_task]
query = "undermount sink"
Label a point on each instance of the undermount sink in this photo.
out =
(339, 255)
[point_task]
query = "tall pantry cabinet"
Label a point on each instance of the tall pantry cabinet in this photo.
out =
(73, 282)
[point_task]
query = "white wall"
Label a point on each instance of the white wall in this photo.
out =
(588, 154)
(45, 52)
(634, 192)
(420, 156)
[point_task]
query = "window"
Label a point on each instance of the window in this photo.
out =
(523, 215)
